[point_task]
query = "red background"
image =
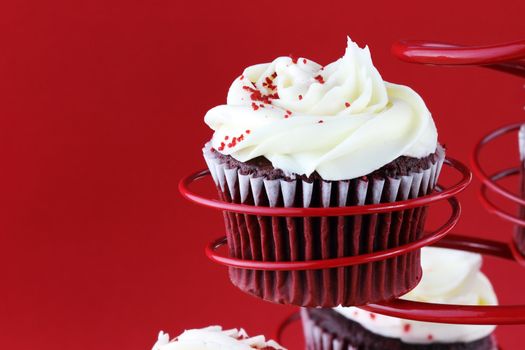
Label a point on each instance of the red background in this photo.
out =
(102, 106)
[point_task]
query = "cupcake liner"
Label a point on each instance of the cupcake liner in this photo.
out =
(266, 238)
(320, 337)
(316, 338)
(519, 232)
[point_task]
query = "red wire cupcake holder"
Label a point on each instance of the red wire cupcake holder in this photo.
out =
(432, 237)
(184, 189)
(322, 264)
(263, 277)
(490, 183)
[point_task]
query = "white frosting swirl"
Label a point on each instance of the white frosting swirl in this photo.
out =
(342, 121)
(213, 338)
(449, 277)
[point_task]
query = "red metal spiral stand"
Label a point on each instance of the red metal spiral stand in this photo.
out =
(509, 58)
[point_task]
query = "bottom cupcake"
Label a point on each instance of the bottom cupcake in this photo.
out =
(449, 277)
(214, 338)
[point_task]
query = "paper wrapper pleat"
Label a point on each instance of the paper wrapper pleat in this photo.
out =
(519, 232)
(318, 338)
(266, 238)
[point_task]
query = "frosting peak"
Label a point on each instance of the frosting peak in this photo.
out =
(341, 120)
(350, 85)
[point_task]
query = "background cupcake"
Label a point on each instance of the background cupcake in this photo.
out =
(296, 134)
(213, 338)
(449, 277)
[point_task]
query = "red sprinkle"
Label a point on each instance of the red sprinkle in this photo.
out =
(320, 79)
(233, 142)
(304, 60)
(286, 116)
(256, 95)
(294, 60)
(274, 75)
(254, 106)
(372, 316)
(226, 138)
(242, 77)
(347, 104)
(269, 83)
(289, 112)
(248, 131)
(430, 337)
(406, 328)
(300, 97)
(321, 122)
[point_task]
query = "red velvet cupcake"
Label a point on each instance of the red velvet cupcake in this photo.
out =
(449, 277)
(296, 134)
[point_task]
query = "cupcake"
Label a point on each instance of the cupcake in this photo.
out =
(449, 277)
(214, 338)
(296, 134)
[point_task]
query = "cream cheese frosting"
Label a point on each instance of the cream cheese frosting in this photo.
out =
(341, 120)
(449, 277)
(214, 338)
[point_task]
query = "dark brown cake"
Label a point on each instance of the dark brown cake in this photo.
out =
(351, 335)
(262, 167)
